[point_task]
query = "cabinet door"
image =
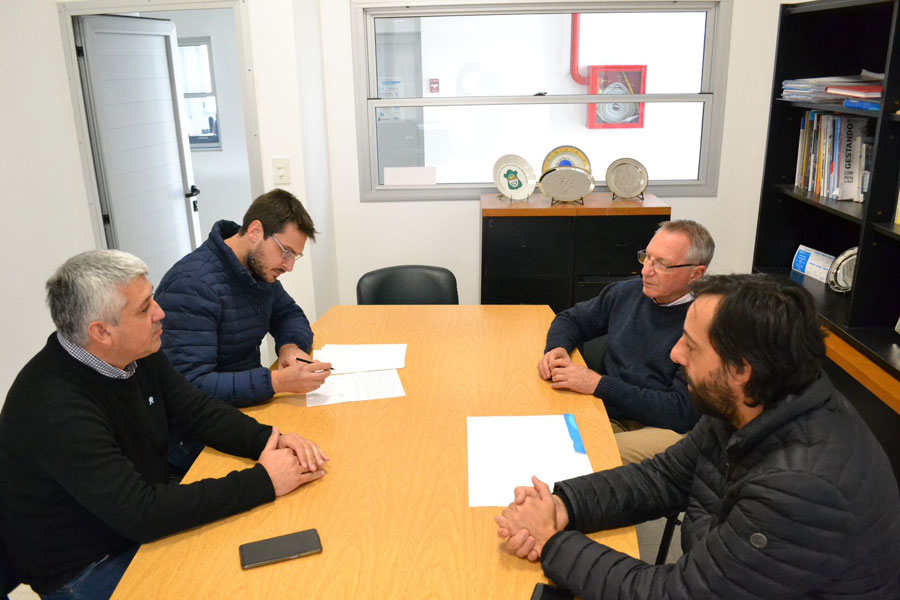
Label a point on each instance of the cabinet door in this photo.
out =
(609, 245)
(527, 260)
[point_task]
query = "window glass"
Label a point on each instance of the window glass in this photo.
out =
(199, 88)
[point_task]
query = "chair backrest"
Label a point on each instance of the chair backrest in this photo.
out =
(407, 284)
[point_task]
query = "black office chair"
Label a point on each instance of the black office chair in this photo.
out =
(407, 284)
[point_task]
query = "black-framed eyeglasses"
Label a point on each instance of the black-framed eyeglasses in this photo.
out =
(285, 253)
(657, 265)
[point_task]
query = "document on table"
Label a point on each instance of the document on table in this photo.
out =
(504, 452)
(356, 358)
(354, 387)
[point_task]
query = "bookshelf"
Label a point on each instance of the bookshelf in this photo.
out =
(809, 46)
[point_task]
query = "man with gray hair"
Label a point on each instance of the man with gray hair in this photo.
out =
(84, 438)
(646, 398)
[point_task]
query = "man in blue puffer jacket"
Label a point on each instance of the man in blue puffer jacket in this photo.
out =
(223, 298)
(787, 494)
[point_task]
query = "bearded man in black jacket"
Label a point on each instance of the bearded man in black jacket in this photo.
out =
(84, 438)
(786, 492)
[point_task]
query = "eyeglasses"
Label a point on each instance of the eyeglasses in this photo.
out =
(658, 266)
(285, 253)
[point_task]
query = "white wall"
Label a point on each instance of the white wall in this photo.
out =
(223, 176)
(44, 200)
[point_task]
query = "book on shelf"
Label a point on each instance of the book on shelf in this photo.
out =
(856, 91)
(862, 104)
(832, 150)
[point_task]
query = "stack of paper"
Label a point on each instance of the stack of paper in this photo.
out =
(360, 372)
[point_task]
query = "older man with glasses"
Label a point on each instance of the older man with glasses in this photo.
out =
(646, 397)
(223, 298)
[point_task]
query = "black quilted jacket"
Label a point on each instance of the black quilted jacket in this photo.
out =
(800, 503)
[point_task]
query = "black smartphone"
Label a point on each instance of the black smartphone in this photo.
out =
(282, 547)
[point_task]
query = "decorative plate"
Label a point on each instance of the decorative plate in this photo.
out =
(566, 184)
(514, 177)
(566, 156)
(840, 274)
(627, 178)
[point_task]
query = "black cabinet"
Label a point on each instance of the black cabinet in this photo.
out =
(789, 217)
(534, 253)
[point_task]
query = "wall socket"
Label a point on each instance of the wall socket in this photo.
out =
(281, 169)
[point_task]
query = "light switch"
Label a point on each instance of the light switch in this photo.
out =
(281, 168)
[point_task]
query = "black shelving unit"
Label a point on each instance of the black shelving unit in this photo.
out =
(818, 39)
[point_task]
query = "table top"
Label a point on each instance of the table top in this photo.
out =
(598, 204)
(392, 512)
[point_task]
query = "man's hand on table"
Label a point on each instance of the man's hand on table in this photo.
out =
(557, 357)
(533, 517)
(309, 455)
(283, 466)
(576, 378)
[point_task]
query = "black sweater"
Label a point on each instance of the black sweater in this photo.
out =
(83, 463)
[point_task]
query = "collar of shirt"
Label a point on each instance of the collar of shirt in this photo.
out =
(683, 300)
(101, 366)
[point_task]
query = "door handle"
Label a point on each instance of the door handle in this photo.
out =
(195, 191)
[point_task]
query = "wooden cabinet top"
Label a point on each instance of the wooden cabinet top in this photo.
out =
(597, 204)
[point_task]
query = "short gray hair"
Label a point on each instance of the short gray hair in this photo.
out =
(87, 288)
(702, 244)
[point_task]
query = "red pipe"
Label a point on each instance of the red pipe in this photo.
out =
(573, 50)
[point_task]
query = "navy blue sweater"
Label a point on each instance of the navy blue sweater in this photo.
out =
(216, 316)
(639, 381)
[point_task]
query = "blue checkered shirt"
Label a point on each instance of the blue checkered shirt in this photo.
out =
(102, 367)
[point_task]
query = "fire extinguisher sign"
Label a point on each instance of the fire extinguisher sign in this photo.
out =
(434, 86)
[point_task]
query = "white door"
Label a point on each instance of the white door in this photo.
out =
(140, 150)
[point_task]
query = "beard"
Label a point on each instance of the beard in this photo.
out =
(255, 264)
(713, 396)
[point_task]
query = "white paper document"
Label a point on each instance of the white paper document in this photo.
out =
(350, 358)
(505, 452)
(354, 387)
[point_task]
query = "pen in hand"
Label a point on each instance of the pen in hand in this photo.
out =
(309, 362)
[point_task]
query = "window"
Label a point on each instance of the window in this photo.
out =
(443, 92)
(201, 112)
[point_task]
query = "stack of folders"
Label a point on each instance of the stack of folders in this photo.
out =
(861, 91)
(834, 155)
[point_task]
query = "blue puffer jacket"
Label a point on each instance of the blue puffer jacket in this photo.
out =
(800, 503)
(216, 317)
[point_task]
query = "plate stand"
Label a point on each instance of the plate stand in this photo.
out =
(554, 201)
(615, 197)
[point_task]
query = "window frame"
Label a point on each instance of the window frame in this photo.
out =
(207, 41)
(711, 94)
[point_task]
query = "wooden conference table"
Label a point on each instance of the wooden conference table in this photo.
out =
(392, 512)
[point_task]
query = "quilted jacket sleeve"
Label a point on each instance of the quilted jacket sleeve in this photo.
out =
(288, 324)
(190, 340)
(784, 535)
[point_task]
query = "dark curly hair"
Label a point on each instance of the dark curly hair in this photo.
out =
(771, 323)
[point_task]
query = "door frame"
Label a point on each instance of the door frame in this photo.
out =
(67, 10)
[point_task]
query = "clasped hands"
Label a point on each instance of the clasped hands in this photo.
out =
(556, 366)
(291, 461)
(531, 519)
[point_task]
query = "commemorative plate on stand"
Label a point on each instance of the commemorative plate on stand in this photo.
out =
(566, 184)
(627, 178)
(514, 177)
(566, 156)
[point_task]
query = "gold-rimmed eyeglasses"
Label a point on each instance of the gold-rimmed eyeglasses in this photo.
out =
(658, 266)
(285, 253)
